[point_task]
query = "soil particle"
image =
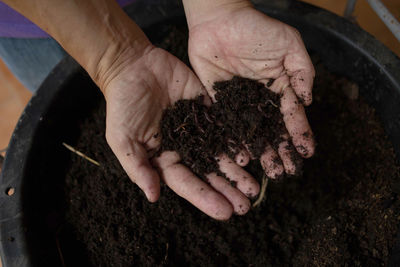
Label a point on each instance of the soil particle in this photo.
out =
(307, 134)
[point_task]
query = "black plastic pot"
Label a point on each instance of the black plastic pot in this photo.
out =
(28, 237)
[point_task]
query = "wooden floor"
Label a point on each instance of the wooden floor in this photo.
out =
(14, 97)
(366, 18)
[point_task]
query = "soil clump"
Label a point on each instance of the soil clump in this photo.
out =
(246, 113)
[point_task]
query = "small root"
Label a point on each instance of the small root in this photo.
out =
(185, 119)
(170, 136)
(70, 148)
(166, 253)
(272, 103)
(59, 248)
(232, 149)
(252, 131)
(208, 118)
(201, 129)
(181, 133)
(259, 108)
(231, 141)
(180, 126)
(193, 109)
(263, 191)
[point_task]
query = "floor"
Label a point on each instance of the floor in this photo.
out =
(13, 98)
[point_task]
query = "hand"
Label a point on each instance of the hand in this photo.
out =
(236, 39)
(137, 90)
(138, 82)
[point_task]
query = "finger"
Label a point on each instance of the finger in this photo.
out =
(182, 84)
(207, 100)
(210, 73)
(296, 123)
(242, 158)
(300, 70)
(280, 84)
(272, 74)
(241, 204)
(185, 184)
(153, 142)
(245, 183)
(133, 158)
(291, 160)
(192, 86)
(302, 82)
(271, 163)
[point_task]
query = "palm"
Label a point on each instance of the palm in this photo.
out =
(249, 44)
(136, 98)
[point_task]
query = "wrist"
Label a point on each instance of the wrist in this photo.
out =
(198, 12)
(106, 64)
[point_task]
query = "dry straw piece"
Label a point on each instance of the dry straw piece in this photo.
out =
(262, 193)
(70, 148)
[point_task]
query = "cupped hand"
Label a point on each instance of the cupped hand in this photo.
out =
(244, 42)
(137, 90)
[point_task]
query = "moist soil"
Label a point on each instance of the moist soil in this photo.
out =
(246, 114)
(343, 210)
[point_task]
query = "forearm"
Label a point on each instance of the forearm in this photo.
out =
(199, 11)
(94, 32)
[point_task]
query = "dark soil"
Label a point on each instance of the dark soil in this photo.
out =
(246, 112)
(344, 210)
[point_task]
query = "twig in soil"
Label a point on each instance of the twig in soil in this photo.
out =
(70, 148)
(262, 193)
(200, 129)
(208, 118)
(180, 126)
(59, 249)
(166, 253)
(272, 103)
(252, 131)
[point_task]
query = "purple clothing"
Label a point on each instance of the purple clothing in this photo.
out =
(13, 24)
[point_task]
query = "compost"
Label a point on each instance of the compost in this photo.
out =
(246, 114)
(344, 209)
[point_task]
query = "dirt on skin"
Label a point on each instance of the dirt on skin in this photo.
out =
(246, 113)
(344, 210)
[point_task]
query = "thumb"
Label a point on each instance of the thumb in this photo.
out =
(301, 72)
(133, 158)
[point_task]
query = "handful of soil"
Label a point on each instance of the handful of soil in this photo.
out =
(246, 114)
